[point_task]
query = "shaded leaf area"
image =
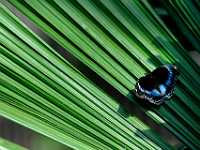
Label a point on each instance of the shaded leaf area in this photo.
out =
(7, 145)
(42, 91)
(186, 14)
(120, 41)
(26, 137)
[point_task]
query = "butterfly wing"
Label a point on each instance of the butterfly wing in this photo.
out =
(157, 86)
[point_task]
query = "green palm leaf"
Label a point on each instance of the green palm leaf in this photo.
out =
(7, 145)
(120, 41)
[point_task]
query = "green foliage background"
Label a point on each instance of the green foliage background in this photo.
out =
(119, 41)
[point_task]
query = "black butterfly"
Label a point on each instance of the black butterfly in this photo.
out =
(157, 86)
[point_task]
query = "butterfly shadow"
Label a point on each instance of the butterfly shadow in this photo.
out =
(162, 135)
(130, 105)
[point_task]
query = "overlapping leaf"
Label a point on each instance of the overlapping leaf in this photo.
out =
(186, 14)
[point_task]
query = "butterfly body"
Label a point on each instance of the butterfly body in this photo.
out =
(157, 86)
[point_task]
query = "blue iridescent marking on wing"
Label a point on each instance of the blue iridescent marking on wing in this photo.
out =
(171, 76)
(162, 89)
(155, 92)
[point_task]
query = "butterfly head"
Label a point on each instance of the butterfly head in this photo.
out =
(176, 70)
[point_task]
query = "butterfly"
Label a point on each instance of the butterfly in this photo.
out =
(157, 86)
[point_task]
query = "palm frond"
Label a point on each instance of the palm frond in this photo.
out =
(42, 91)
(7, 145)
(120, 41)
